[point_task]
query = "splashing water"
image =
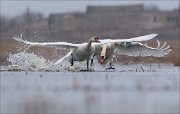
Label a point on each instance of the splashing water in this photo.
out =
(24, 61)
(27, 61)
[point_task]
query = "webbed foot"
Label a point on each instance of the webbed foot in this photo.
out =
(110, 68)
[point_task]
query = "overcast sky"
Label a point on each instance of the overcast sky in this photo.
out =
(13, 8)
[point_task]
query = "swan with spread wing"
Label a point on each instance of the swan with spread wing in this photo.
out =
(79, 52)
(105, 52)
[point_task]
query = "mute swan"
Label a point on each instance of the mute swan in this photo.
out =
(79, 52)
(104, 52)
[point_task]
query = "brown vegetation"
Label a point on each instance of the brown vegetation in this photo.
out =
(175, 54)
(51, 53)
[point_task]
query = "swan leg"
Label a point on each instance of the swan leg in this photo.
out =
(72, 61)
(87, 70)
(87, 62)
(110, 66)
(92, 60)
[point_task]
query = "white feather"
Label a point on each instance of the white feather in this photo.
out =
(158, 44)
(135, 39)
(63, 58)
(163, 45)
(48, 44)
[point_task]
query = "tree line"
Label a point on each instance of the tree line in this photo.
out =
(26, 18)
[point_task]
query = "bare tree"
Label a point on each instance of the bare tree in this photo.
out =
(28, 19)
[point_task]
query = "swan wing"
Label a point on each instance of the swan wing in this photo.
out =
(48, 44)
(135, 39)
(63, 58)
(139, 49)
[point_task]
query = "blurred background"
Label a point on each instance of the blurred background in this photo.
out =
(154, 87)
(77, 21)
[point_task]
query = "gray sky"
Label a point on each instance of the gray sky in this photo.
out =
(13, 8)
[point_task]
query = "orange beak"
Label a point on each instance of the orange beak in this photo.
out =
(102, 59)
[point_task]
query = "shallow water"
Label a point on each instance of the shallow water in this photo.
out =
(128, 89)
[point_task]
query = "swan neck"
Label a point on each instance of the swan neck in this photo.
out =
(89, 44)
(103, 52)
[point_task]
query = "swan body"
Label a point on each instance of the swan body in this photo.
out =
(83, 52)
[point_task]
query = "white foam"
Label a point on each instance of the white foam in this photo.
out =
(27, 61)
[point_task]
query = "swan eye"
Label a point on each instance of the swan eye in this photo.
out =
(96, 38)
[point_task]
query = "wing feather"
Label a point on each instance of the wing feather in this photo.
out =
(63, 58)
(135, 39)
(48, 44)
(163, 45)
(139, 49)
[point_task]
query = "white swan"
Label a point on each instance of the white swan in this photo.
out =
(104, 52)
(79, 52)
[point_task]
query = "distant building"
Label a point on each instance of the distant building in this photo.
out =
(115, 9)
(111, 21)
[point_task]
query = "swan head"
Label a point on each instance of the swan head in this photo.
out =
(94, 39)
